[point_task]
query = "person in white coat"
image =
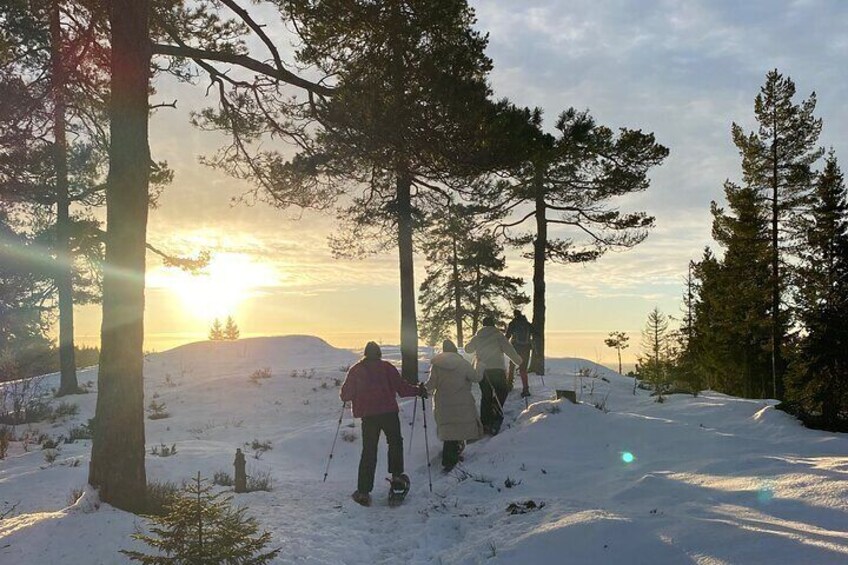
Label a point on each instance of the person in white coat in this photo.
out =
(489, 346)
(455, 410)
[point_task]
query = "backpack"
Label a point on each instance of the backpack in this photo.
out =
(521, 331)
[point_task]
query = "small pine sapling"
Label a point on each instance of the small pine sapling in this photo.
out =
(200, 526)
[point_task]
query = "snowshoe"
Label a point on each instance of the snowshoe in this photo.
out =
(398, 489)
(362, 498)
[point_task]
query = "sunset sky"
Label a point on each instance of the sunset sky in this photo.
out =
(683, 70)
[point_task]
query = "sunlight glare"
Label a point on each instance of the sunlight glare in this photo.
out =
(217, 292)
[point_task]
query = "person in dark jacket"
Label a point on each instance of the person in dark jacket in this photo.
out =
(372, 387)
(520, 332)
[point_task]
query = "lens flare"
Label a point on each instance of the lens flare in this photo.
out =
(627, 457)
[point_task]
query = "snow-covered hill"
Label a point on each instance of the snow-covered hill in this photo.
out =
(616, 478)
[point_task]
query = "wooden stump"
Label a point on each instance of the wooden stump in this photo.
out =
(241, 472)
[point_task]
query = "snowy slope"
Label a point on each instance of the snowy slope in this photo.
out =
(714, 479)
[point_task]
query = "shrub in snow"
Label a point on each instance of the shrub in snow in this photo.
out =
(259, 447)
(75, 495)
(63, 411)
(157, 410)
(22, 402)
(49, 443)
(259, 375)
(50, 455)
(259, 481)
(223, 479)
(202, 527)
(82, 431)
(163, 450)
(510, 482)
(159, 495)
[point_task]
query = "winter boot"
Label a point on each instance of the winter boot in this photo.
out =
(525, 393)
(362, 498)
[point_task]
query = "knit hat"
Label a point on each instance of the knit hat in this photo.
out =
(372, 351)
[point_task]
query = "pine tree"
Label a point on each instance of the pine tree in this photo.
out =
(568, 181)
(231, 330)
(216, 332)
(465, 280)
(654, 365)
(618, 341)
(777, 162)
(401, 121)
(200, 528)
(818, 376)
(117, 451)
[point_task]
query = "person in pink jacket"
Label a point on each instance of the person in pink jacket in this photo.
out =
(372, 387)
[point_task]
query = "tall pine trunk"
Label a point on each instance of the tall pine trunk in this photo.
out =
(408, 320)
(117, 455)
(64, 262)
(478, 301)
(776, 333)
(457, 293)
(537, 364)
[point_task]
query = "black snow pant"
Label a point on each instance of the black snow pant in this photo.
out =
(450, 454)
(522, 349)
(389, 424)
(493, 392)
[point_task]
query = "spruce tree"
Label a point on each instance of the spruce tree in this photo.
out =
(200, 527)
(465, 280)
(741, 299)
(777, 162)
(231, 330)
(216, 332)
(818, 376)
(685, 337)
(654, 363)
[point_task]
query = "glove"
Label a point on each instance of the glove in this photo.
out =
(422, 391)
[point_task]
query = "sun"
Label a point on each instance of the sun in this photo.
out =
(217, 292)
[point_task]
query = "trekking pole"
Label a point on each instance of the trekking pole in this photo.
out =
(494, 395)
(426, 442)
(412, 432)
(332, 449)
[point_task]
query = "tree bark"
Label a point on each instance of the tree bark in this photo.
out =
(537, 364)
(408, 319)
(457, 294)
(117, 455)
(478, 300)
(776, 334)
(64, 261)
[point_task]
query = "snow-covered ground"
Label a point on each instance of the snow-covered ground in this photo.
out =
(713, 479)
